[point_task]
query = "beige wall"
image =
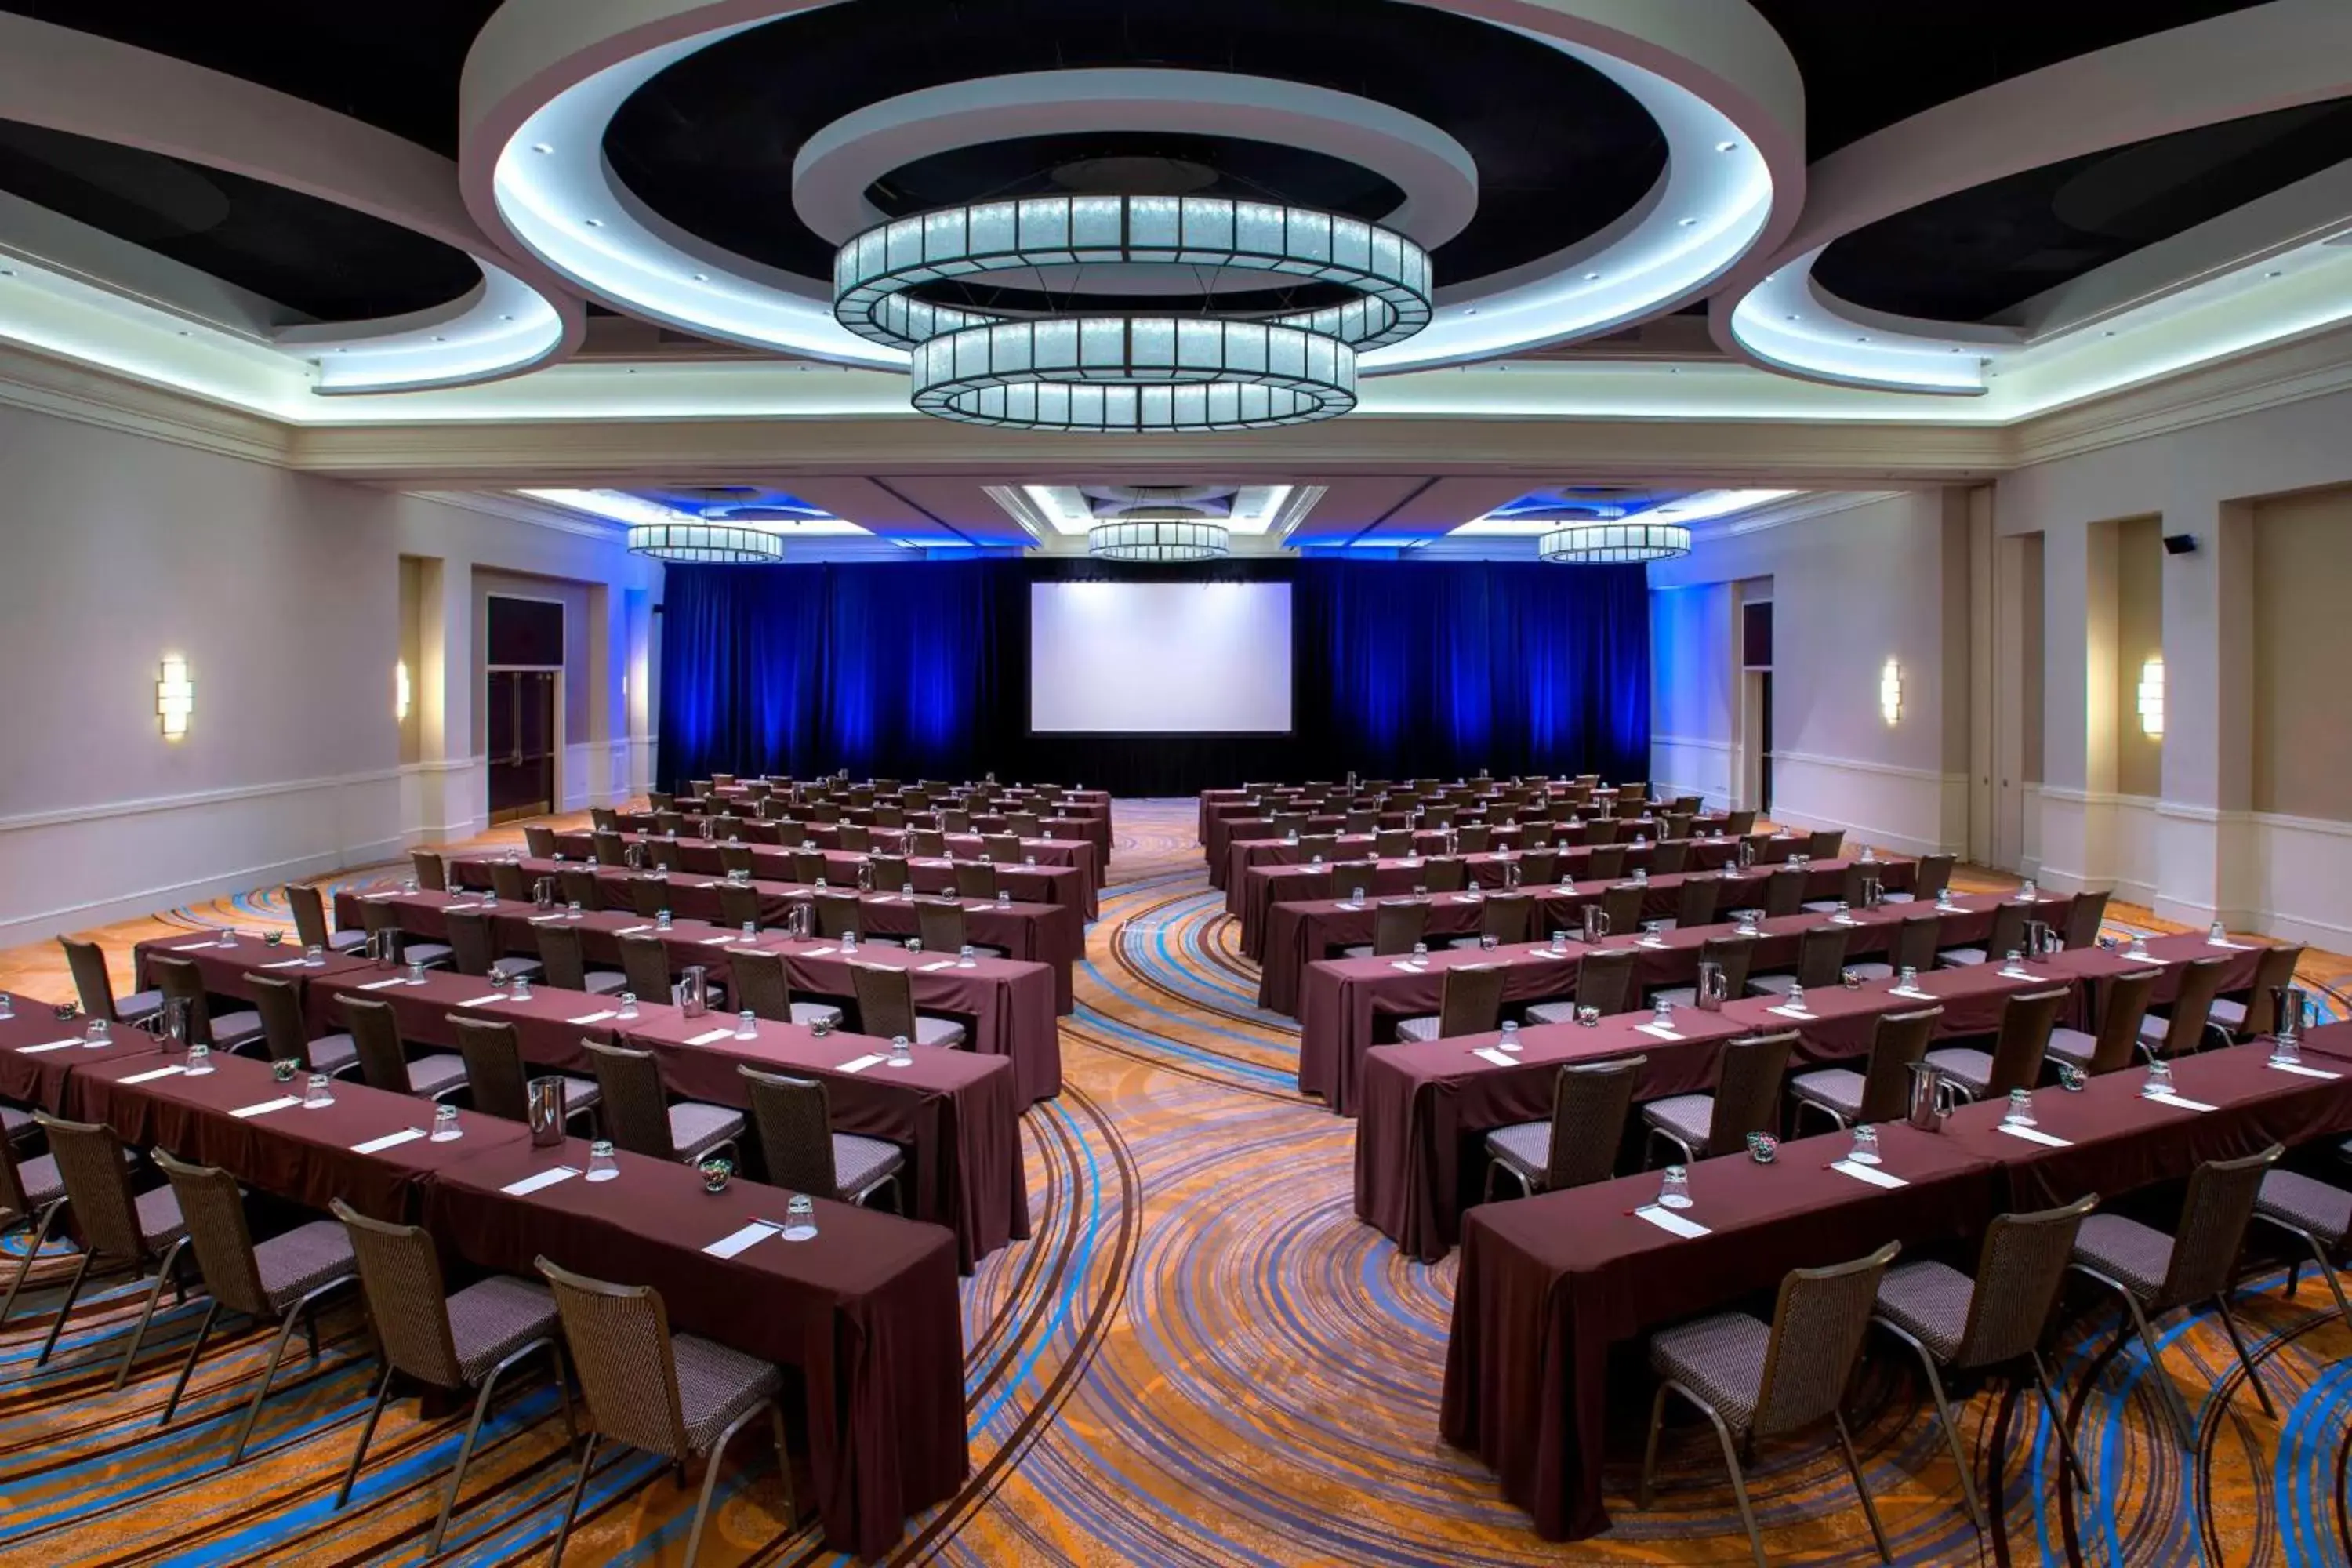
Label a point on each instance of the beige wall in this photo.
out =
(2139, 637)
(2303, 655)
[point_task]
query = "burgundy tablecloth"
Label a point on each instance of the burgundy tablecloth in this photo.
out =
(304, 1156)
(867, 1312)
(549, 1024)
(226, 970)
(40, 1077)
(1549, 1284)
(1050, 881)
(957, 1115)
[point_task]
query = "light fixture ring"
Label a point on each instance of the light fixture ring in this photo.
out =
(705, 543)
(1619, 543)
(1158, 539)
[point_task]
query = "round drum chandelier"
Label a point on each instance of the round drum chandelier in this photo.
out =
(705, 543)
(1159, 539)
(1133, 373)
(1613, 543)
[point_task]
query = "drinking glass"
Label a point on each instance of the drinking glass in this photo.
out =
(900, 1057)
(2217, 933)
(1908, 980)
(848, 942)
(7, 1006)
(1589, 1016)
(821, 1025)
(628, 1004)
(1488, 942)
(750, 930)
(522, 987)
(800, 1219)
(98, 1033)
(228, 936)
(1560, 941)
(1003, 896)
(1421, 953)
(1842, 913)
(489, 900)
(2029, 892)
(572, 910)
(602, 1166)
(1510, 1040)
(408, 884)
(1673, 1192)
(1662, 1015)
(2160, 1078)
(2285, 1049)
(661, 919)
(2020, 1108)
(319, 1092)
(1865, 1144)
(1797, 997)
(747, 1025)
(314, 957)
(200, 1061)
(445, 1125)
(1355, 897)
(966, 957)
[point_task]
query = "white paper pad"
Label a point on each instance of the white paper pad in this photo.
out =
(2296, 1068)
(45, 1046)
(196, 947)
(1789, 1012)
(549, 919)
(1670, 1222)
(266, 1106)
(2016, 975)
(937, 963)
(1500, 1058)
(380, 984)
(716, 940)
(590, 1018)
(1658, 1031)
(1467, 898)
(713, 1036)
(1408, 966)
(530, 1185)
(2141, 957)
(389, 1141)
(1871, 1173)
(817, 952)
(2174, 1101)
(704, 886)
(1652, 943)
(152, 1074)
(1546, 954)
(1914, 993)
(286, 963)
(453, 909)
(860, 1064)
(631, 931)
(484, 1001)
(751, 1236)
(2035, 1135)
(2232, 946)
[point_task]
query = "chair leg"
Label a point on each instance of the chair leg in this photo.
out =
(1952, 1435)
(2073, 1461)
(252, 1411)
(147, 1315)
(563, 1390)
(367, 1431)
(572, 1504)
(464, 1458)
(25, 1268)
(2229, 1321)
(1862, 1487)
(1739, 1483)
(65, 1311)
(2326, 1272)
(187, 1368)
(2184, 1423)
(785, 1464)
(710, 1483)
(1650, 1449)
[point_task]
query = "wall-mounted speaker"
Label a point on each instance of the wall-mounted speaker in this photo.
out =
(2181, 545)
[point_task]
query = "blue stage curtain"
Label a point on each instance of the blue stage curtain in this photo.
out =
(913, 670)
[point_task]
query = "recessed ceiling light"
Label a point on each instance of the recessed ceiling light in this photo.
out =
(2274, 274)
(702, 277)
(1471, 311)
(1686, 222)
(1592, 277)
(541, 147)
(439, 339)
(1727, 146)
(1793, 315)
(595, 223)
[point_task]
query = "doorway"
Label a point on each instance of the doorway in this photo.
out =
(520, 741)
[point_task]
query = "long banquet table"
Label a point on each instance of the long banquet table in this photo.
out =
(1548, 1285)
(1058, 871)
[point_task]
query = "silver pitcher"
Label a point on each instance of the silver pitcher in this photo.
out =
(1714, 988)
(383, 946)
(2040, 940)
(865, 876)
(174, 1027)
(633, 856)
(2292, 1001)
(1873, 892)
(800, 920)
(694, 991)
(1510, 873)
(1596, 923)
(1927, 1112)
(542, 893)
(1746, 853)
(543, 1105)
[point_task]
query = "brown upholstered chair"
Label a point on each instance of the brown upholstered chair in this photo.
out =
(760, 984)
(383, 1060)
(792, 1120)
(510, 881)
(1733, 952)
(1469, 1002)
(32, 1195)
(121, 1231)
(539, 842)
(580, 885)
(286, 1038)
(1914, 949)
(310, 911)
(1784, 893)
(1882, 1091)
(2258, 1014)
(182, 981)
(2085, 917)
(495, 1079)
(432, 871)
(641, 1117)
(649, 896)
(2122, 1009)
(886, 1008)
(562, 955)
(1820, 959)
(383, 919)
(2315, 1214)
(1579, 1145)
(1397, 925)
(473, 950)
(2015, 1060)
(1505, 917)
(1603, 980)
(86, 961)
(280, 1281)
(2190, 1015)
(1933, 876)
(2008, 936)
(1747, 1099)
(940, 926)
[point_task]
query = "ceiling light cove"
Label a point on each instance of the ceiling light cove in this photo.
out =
(1788, 322)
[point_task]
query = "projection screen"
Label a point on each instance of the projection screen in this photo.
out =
(1185, 659)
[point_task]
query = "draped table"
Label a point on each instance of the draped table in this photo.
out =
(228, 971)
(40, 1053)
(1052, 871)
(1548, 1285)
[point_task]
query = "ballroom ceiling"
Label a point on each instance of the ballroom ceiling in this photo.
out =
(1915, 199)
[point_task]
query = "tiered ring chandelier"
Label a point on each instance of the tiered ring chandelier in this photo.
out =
(1133, 373)
(705, 543)
(1613, 543)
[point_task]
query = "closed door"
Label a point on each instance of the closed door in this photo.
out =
(520, 740)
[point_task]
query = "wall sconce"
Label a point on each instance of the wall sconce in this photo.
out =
(400, 690)
(2151, 699)
(176, 697)
(1890, 692)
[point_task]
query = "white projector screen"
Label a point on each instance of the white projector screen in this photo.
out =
(1133, 658)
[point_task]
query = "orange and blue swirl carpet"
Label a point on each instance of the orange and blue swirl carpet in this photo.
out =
(1201, 1360)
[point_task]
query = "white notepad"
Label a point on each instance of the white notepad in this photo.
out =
(45, 1046)
(713, 1036)
(859, 1064)
(1662, 1031)
(266, 1106)
(590, 1018)
(720, 941)
(1546, 954)
(937, 963)
(1871, 1173)
(2232, 946)
(1500, 1058)
(459, 909)
(1789, 1012)
(817, 952)
(196, 947)
(2035, 1135)
(751, 1236)
(1408, 965)
(380, 984)
(2296, 1068)
(1670, 1222)
(2141, 957)
(484, 1001)
(286, 963)
(2174, 1101)
(1914, 993)
(530, 1185)
(389, 1141)
(2016, 975)
(631, 931)
(152, 1074)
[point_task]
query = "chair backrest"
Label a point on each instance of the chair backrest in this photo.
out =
(760, 985)
(1736, 954)
(2273, 971)
(1536, 835)
(1601, 831)
(1470, 1000)
(634, 1111)
(2017, 1051)
(375, 1036)
(91, 983)
(645, 961)
(16, 1204)
(857, 838)
(2214, 1214)
(180, 980)
(889, 816)
(562, 956)
(1897, 1040)
(510, 881)
(954, 819)
(1397, 924)
(1916, 940)
(1361, 822)
(975, 879)
(469, 941)
(890, 873)
(1669, 858)
(310, 911)
(214, 1210)
(1821, 955)
(2008, 933)
(737, 858)
(1854, 887)
(1623, 906)
(281, 1006)
(1817, 1324)
(885, 1000)
(839, 915)
(432, 873)
(669, 825)
(739, 905)
(1392, 843)
(809, 867)
(1326, 845)
(1004, 848)
(1784, 892)
(620, 1344)
(1825, 843)
(940, 923)
(1589, 1101)
(927, 842)
(2085, 916)
(2125, 1006)
(1696, 902)
(793, 1118)
(649, 896)
(400, 1273)
(1022, 823)
(825, 811)
(1506, 916)
(1437, 817)
(1747, 1090)
(2020, 1271)
(578, 884)
(1738, 823)
(1444, 874)
(1538, 868)
(540, 841)
(610, 850)
(494, 1074)
(1932, 876)
(98, 1185)
(604, 819)
(2192, 1004)
(1474, 837)
(1606, 979)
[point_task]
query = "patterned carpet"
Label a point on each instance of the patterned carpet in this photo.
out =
(1200, 1358)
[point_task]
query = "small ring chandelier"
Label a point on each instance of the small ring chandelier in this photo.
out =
(1133, 373)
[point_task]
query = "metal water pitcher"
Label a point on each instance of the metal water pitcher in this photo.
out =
(1714, 988)
(1873, 892)
(1746, 853)
(865, 876)
(1596, 923)
(694, 991)
(543, 1105)
(385, 946)
(542, 893)
(2292, 1001)
(800, 920)
(1927, 1112)
(633, 856)
(710, 828)
(1510, 873)
(2038, 941)
(175, 1019)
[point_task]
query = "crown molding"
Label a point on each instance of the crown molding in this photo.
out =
(1796, 509)
(71, 389)
(524, 509)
